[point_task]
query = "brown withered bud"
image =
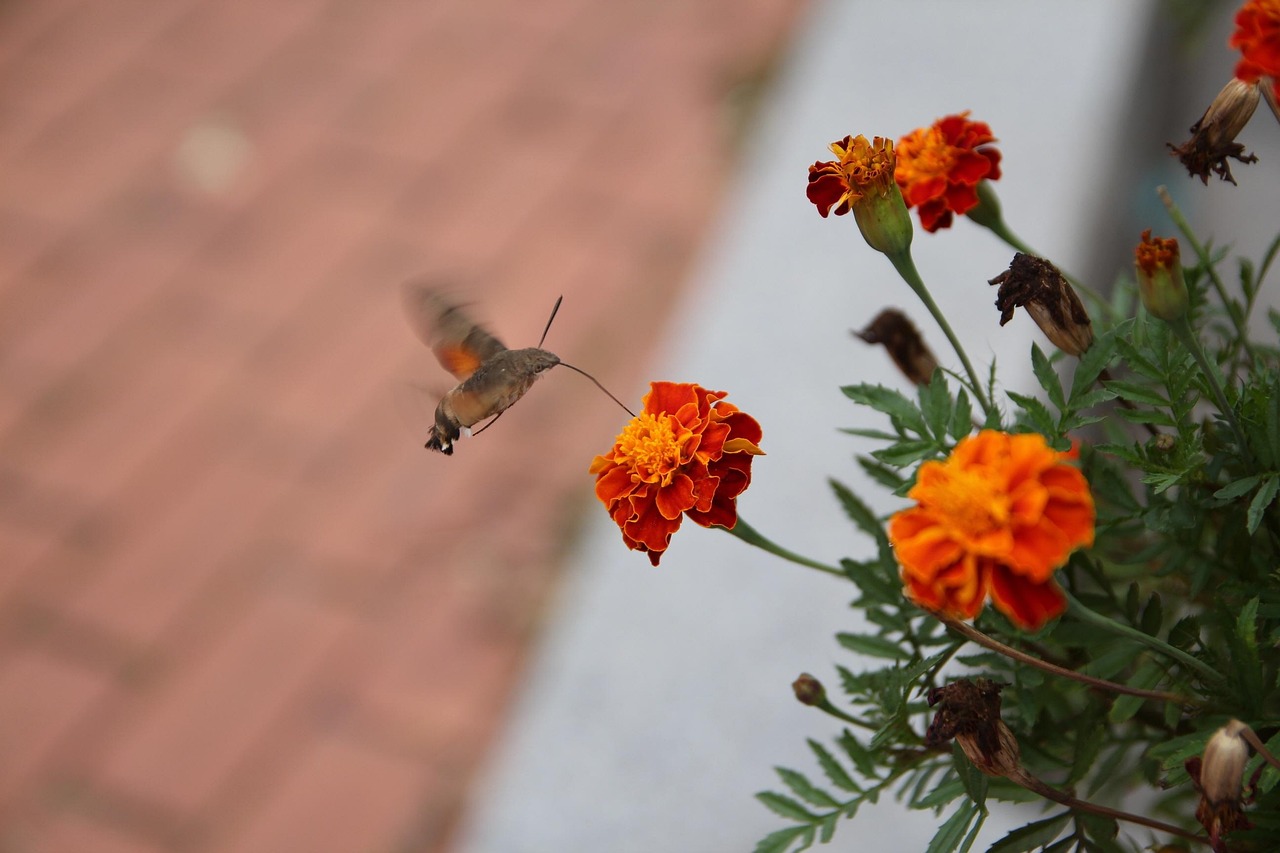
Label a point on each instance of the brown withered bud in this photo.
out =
(969, 712)
(1039, 287)
(904, 344)
(1213, 136)
(1219, 777)
(809, 690)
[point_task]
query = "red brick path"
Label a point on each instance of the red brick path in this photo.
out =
(241, 608)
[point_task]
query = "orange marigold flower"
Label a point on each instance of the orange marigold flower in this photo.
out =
(687, 453)
(861, 168)
(1257, 36)
(939, 168)
(996, 519)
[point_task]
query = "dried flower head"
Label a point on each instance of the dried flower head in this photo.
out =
(1213, 137)
(996, 519)
(1219, 777)
(940, 166)
(1041, 288)
(968, 711)
(902, 340)
(688, 453)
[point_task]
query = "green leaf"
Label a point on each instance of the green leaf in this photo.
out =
(1263, 499)
(1037, 412)
(935, 404)
(1236, 488)
(833, 769)
(952, 832)
(858, 511)
(1032, 836)
(1092, 363)
(961, 416)
(877, 647)
(780, 841)
(1137, 393)
(974, 780)
(806, 790)
(861, 757)
(1047, 377)
(891, 403)
(786, 807)
(906, 452)
(1147, 676)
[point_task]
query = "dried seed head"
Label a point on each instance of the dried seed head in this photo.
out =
(1041, 288)
(1213, 136)
(904, 344)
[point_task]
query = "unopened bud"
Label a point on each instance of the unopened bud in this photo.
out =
(1160, 283)
(904, 344)
(809, 690)
(1213, 136)
(1041, 288)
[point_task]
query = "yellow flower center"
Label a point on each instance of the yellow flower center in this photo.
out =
(925, 154)
(971, 503)
(650, 448)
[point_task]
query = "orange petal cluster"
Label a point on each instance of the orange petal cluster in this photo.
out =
(994, 520)
(1257, 36)
(939, 168)
(861, 168)
(688, 453)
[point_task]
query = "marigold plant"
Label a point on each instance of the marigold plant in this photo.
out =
(1124, 686)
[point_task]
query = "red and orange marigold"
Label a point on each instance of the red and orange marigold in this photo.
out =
(994, 520)
(1257, 36)
(939, 168)
(688, 452)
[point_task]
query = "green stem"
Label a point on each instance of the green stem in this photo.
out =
(1182, 331)
(751, 536)
(1084, 614)
(989, 216)
(906, 268)
(1202, 254)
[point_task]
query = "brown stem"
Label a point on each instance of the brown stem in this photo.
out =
(971, 633)
(1034, 785)
(1256, 742)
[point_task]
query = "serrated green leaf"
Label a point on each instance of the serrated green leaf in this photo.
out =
(857, 510)
(974, 780)
(806, 790)
(877, 647)
(1047, 377)
(786, 807)
(935, 405)
(952, 832)
(906, 452)
(1032, 836)
(861, 757)
(961, 416)
(1147, 676)
(833, 769)
(1236, 488)
(1092, 363)
(1135, 393)
(889, 402)
(1261, 501)
(781, 840)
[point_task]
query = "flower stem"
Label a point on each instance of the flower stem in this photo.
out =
(971, 633)
(906, 268)
(1084, 614)
(751, 536)
(1202, 254)
(1182, 331)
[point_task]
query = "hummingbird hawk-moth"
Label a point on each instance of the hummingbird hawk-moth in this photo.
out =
(491, 377)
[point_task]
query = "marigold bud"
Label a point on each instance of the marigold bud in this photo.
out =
(1213, 136)
(861, 181)
(1041, 288)
(1160, 282)
(902, 340)
(809, 690)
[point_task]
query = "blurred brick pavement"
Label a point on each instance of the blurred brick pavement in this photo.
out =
(241, 608)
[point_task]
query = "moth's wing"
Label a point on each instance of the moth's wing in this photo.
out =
(459, 344)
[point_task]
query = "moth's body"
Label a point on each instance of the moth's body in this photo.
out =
(491, 377)
(495, 386)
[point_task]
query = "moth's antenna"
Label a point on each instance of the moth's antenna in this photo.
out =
(596, 381)
(550, 319)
